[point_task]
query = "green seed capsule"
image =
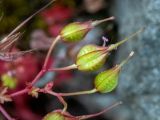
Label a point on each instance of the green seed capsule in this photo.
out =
(107, 80)
(75, 31)
(54, 116)
(91, 57)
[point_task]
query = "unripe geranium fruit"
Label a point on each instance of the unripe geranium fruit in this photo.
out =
(54, 116)
(108, 80)
(91, 57)
(76, 31)
(59, 115)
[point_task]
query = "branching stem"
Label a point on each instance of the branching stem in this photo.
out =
(21, 92)
(60, 99)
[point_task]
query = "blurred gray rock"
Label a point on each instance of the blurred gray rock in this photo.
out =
(139, 85)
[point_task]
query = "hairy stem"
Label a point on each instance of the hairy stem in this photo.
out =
(21, 92)
(6, 115)
(114, 46)
(74, 66)
(50, 51)
(97, 22)
(78, 93)
(44, 69)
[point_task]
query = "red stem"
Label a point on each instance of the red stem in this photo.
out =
(40, 73)
(19, 93)
(25, 90)
(44, 69)
(38, 76)
(50, 51)
(3, 111)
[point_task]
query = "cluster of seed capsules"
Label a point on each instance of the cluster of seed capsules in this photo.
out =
(91, 58)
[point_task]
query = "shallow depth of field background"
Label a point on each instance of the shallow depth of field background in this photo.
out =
(139, 80)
